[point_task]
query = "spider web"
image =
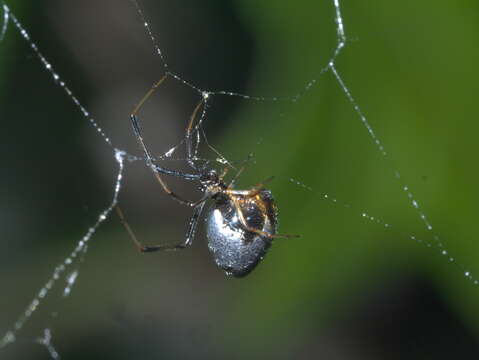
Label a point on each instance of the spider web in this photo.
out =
(68, 270)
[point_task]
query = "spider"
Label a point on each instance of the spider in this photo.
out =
(240, 224)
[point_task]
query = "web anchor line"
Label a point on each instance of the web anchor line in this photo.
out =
(377, 220)
(6, 18)
(48, 66)
(80, 249)
(341, 36)
(68, 262)
(46, 341)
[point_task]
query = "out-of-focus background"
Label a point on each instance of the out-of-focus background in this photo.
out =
(348, 288)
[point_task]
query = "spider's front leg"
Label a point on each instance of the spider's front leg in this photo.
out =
(190, 154)
(157, 170)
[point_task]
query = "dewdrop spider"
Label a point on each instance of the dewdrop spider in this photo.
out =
(240, 224)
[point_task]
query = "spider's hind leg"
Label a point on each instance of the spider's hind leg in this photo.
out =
(164, 247)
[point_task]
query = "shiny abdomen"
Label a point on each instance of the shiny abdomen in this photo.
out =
(235, 249)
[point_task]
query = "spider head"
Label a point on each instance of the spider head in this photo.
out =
(209, 178)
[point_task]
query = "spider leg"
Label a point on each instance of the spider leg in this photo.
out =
(189, 132)
(224, 173)
(194, 127)
(164, 247)
(252, 229)
(148, 94)
(233, 180)
(245, 163)
(190, 234)
(157, 170)
(255, 190)
(261, 185)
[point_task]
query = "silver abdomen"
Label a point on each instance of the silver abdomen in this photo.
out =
(236, 249)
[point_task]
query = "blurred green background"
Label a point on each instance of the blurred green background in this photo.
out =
(348, 288)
